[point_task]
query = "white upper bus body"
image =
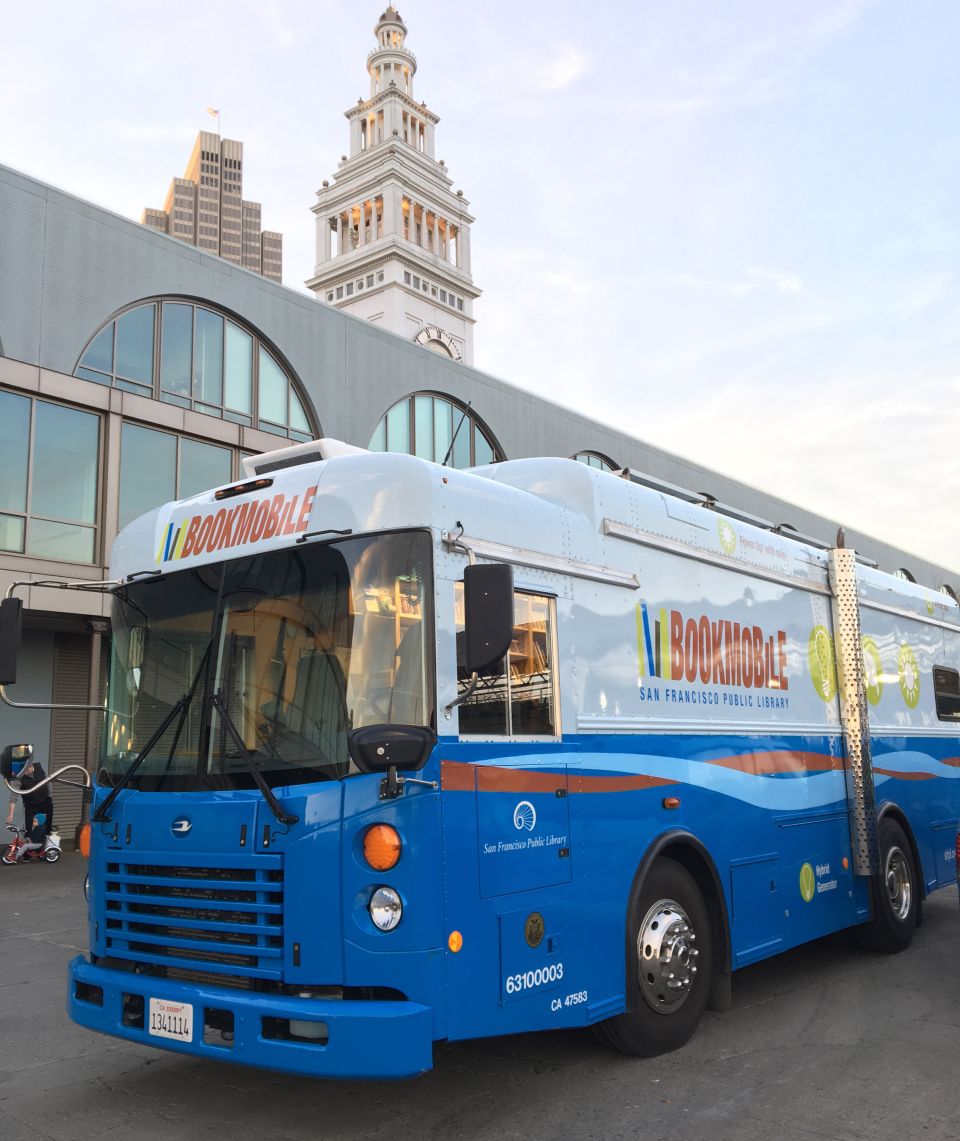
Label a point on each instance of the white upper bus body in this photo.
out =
(670, 616)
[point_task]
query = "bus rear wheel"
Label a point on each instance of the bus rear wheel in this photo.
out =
(895, 894)
(669, 965)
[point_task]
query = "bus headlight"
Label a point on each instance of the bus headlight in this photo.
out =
(386, 909)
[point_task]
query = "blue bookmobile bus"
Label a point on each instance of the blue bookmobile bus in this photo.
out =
(397, 754)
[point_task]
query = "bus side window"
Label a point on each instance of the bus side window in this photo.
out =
(515, 697)
(946, 688)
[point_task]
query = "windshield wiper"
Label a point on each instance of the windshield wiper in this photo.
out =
(178, 710)
(180, 707)
(268, 795)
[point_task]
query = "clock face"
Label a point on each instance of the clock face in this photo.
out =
(434, 338)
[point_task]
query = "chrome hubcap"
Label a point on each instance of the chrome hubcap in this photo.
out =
(667, 956)
(899, 888)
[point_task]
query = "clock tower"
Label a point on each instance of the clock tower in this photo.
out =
(393, 236)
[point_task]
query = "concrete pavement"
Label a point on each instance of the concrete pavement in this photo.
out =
(824, 1042)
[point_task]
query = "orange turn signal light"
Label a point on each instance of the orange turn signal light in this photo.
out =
(382, 847)
(455, 942)
(83, 841)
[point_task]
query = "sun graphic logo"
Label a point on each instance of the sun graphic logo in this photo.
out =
(909, 674)
(727, 536)
(823, 667)
(872, 671)
(524, 816)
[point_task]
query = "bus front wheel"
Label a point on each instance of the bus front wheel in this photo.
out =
(669, 964)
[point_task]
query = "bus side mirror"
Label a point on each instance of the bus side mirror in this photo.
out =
(377, 748)
(13, 758)
(11, 620)
(487, 614)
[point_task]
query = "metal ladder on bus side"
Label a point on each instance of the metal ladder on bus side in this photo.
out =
(854, 711)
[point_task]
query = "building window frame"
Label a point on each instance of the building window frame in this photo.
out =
(29, 516)
(180, 439)
(299, 411)
(596, 460)
(406, 416)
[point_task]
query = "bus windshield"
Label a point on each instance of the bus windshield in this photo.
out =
(270, 659)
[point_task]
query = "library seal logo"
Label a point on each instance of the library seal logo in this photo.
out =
(524, 816)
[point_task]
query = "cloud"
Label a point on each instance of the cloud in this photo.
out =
(181, 132)
(567, 66)
(753, 279)
(779, 280)
(757, 72)
(565, 283)
(924, 293)
(284, 32)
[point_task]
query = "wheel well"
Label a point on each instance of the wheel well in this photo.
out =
(894, 812)
(687, 851)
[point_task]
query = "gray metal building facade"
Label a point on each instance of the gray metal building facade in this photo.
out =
(66, 267)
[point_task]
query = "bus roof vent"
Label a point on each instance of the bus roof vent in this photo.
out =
(311, 452)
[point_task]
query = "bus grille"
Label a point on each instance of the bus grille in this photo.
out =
(204, 917)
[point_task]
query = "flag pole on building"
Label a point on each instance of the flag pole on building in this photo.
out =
(216, 114)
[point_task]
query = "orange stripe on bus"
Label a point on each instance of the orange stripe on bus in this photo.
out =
(458, 776)
(618, 783)
(780, 761)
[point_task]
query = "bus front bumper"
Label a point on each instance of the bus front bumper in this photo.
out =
(317, 1037)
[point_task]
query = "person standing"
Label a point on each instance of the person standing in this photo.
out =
(37, 802)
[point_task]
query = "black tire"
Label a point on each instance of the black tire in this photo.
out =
(894, 892)
(666, 1002)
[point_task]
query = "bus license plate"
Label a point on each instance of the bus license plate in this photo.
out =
(171, 1020)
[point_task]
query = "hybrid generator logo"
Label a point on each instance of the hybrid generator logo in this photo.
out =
(677, 647)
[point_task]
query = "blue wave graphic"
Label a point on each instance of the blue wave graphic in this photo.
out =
(763, 791)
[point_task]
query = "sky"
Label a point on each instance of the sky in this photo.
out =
(729, 229)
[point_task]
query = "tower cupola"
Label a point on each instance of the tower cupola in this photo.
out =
(391, 62)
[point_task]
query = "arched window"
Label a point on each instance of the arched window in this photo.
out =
(596, 460)
(432, 426)
(904, 575)
(193, 356)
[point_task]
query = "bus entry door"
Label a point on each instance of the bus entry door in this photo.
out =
(523, 829)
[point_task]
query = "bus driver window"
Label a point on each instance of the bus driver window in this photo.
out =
(515, 697)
